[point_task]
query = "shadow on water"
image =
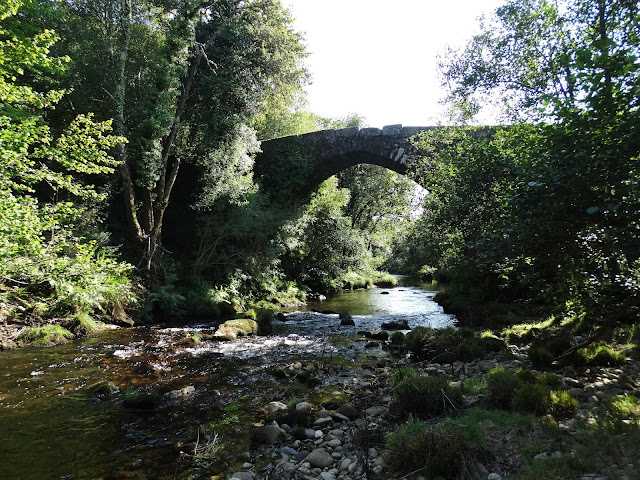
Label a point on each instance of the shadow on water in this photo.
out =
(53, 427)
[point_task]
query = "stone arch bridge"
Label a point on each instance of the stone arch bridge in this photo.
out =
(290, 168)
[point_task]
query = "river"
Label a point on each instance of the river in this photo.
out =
(53, 424)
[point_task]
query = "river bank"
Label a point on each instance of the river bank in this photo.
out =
(171, 402)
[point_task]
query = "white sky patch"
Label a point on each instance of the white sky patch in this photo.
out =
(379, 58)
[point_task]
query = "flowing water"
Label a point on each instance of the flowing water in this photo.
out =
(53, 425)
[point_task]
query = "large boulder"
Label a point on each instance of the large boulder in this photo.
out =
(232, 329)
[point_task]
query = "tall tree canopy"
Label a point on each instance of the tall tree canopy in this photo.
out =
(179, 78)
(548, 207)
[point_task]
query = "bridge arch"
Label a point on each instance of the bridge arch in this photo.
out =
(292, 167)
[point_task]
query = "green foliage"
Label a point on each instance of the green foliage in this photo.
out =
(601, 355)
(423, 396)
(540, 357)
(397, 338)
(505, 219)
(416, 339)
(531, 398)
(45, 335)
(442, 450)
(563, 405)
(623, 408)
(44, 258)
(84, 325)
(502, 385)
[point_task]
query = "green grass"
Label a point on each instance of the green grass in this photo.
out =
(45, 335)
(423, 396)
(600, 355)
(444, 450)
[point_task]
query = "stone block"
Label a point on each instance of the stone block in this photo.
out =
(392, 129)
(370, 132)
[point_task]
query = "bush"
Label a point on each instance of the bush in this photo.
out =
(551, 380)
(443, 450)
(397, 338)
(501, 387)
(531, 398)
(416, 339)
(600, 355)
(424, 397)
(527, 376)
(563, 405)
(540, 357)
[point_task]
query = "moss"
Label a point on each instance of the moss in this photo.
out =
(45, 335)
(142, 399)
(231, 329)
(84, 325)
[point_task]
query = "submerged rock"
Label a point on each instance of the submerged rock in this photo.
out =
(346, 319)
(403, 325)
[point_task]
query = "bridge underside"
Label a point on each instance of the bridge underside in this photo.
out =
(294, 166)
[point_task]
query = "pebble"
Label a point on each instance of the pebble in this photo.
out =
(494, 476)
(319, 458)
(321, 422)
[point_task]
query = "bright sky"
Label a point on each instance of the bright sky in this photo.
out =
(378, 58)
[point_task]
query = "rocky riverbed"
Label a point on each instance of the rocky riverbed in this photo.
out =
(345, 441)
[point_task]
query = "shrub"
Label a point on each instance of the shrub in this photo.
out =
(385, 280)
(531, 398)
(563, 405)
(442, 450)
(540, 357)
(424, 397)
(527, 376)
(501, 387)
(551, 380)
(600, 355)
(416, 339)
(397, 338)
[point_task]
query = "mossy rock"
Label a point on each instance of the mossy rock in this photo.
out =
(103, 389)
(232, 329)
(143, 399)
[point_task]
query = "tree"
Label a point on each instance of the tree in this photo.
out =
(565, 201)
(179, 78)
(43, 187)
